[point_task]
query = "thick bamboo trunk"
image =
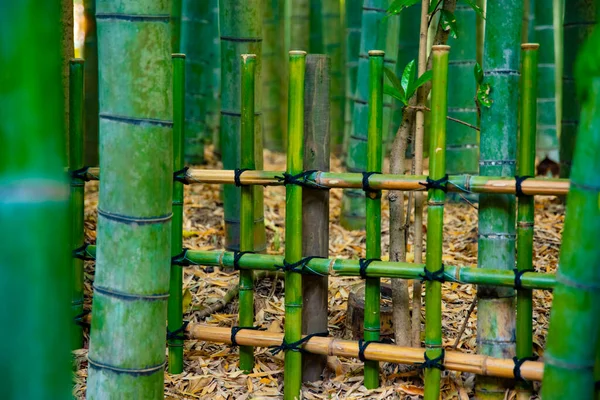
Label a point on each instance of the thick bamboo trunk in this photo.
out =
(497, 237)
(90, 54)
(127, 345)
(241, 33)
(34, 205)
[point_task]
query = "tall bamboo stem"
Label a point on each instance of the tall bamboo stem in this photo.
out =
(67, 52)
(34, 206)
(435, 218)
(572, 346)
(353, 24)
(241, 33)
(90, 54)
(525, 211)
(127, 346)
(76, 162)
(372, 324)
(175, 303)
(499, 123)
(246, 308)
(293, 225)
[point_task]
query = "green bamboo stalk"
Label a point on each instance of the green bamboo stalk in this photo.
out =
(525, 210)
(195, 25)
(462, 146)
(241, 33)
(272, 74)
(391, 60)
(529, 19)
(499, 123)
(68, 52)
(77, 192)
(372, 324)
(353, 24)
(572, 345)
(547, 137)
(127, 344)
(316, 27)
(213, 85)
(90, 54)
(293, 225)
(298, 24)
(435, 218)
(579, 20)
(176, 9)
(34, 206)
(246, 307)
(175, 303)
(373, 36)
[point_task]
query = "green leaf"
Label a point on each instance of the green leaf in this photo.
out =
(475, 7)
(448, 22)
(408, 76)
(433, 6)
(483, 95)
(393, 78)
(423, 79)
(478, 72)
(399, 5)
(397, 94)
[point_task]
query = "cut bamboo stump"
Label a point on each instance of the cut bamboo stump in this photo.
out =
(355, 314)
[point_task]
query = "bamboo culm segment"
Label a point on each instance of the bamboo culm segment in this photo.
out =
(247, 161)
(572, 347)
(373, 36)
(76, 162)
(454, 361)
(380, 269)
(127, 344)
(435, 219)
(373, 210)
(34, 201)
(497, 236)
(525, 210)
(353, 23)
(293, 225)
(241, 33)
(175, 303)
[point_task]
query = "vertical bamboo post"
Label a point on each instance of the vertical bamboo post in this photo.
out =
(246, 286)
(127, 346)
(76, 162)
(34, 204)
(373, 209)
(353, 22)
(373, 36)
(241, 33)
(90, 55)
(579, 20)
(435, 218)
(496, 238)
(547, 135)
(175, 303)
(293, 224)
(315, 205)
(572, 345)
(525, 210)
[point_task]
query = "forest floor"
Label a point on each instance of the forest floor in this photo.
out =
(211, 369)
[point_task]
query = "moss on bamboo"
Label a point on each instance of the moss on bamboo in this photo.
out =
(127, 346)
(34, 205)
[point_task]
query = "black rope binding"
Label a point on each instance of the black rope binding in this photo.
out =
(437, 362)
(366, 187)
(438, 275)
(518, 363)
(236, 329)
(178, 334)
(79, 319)
(237, 255)
(300, 179)
(81, 173)
(181, 175)
(364, 264)
(82, 253)
(238, 175)
(518, 184)
(441, 183)
(362, 346)
(518, 275)
(299, 266)
(295, 346)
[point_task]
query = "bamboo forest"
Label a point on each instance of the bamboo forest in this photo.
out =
(300, 199)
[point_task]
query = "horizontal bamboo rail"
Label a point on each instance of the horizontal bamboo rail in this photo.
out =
(377, 269)
(453, 360)
(336, 180)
